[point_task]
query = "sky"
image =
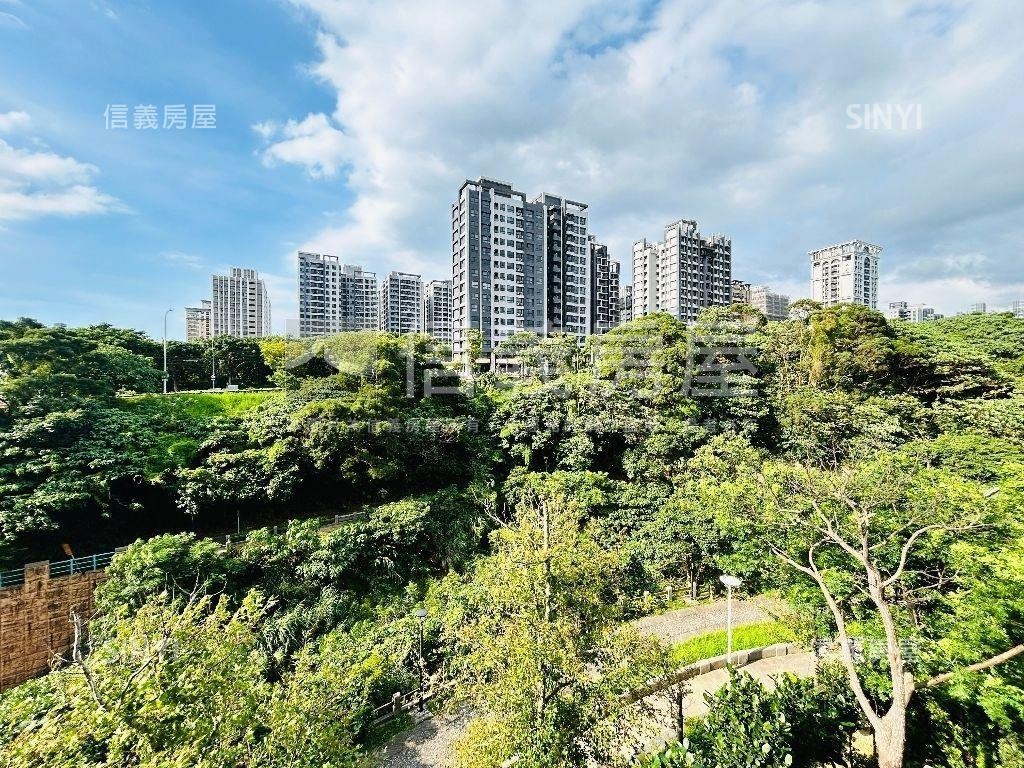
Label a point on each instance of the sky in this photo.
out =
(348, 128)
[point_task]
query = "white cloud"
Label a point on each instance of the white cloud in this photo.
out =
(190, 260)
(42, 183)
(13, 121)
(731, 112)
(78, 200)
(312, 142)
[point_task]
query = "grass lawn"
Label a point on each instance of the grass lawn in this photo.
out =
(743, 638)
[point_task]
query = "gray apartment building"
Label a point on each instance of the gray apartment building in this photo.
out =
(401, 303)
(683, 273)
(335, 297)
(625, 303)
(437, 308)
(239, 305)
(604, 288)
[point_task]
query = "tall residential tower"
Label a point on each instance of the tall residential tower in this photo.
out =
(239, 305)
(845, 274)
(401, 303)
(335, 297)
(683, 273)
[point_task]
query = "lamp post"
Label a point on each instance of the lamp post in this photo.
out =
(421, 614)
(213, 365)
(730, 582)
(165, 348)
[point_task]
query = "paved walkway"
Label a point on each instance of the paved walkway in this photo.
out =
(429, 744)
(676, 626)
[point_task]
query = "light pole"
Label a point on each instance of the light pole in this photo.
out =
(213, 366)
(730, 582)
(165, 348)
(421, 614)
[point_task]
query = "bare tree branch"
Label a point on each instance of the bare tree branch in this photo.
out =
(1005, 656)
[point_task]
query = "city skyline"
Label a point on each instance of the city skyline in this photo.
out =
(310, 150)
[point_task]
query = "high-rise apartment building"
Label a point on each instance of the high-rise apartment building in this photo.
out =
(517, 265)
(197, 321)
(845, 274)
(401, 303)
(567, 272)
(335, 297)
(625, 302)
(604, 288)
(683, 273)
(437, 307)
(1017, 307)
(645, 278)
(240, 305)
(979, 309)
(740, 292)
(774, 306)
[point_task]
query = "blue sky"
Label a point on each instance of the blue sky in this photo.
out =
(348, 127)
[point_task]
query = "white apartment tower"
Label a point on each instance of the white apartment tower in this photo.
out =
(239, 305)
(438, 310)
(604, 288)
(401, 303)
(683, 273)
(845, 274)
(197, 321)
(335, 297)
(517, 265)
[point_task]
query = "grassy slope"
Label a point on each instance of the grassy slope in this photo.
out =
(183, 420)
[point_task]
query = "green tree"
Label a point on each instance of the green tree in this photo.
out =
(536, 651)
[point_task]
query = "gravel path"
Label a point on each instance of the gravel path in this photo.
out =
(425, 745)
(676, 626)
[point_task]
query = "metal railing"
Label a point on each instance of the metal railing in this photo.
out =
(16, 576)
(87, 564)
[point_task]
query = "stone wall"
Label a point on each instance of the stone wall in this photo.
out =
(35, 620)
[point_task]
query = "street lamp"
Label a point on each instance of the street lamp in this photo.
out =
(421, 614)
(165, 348)
(730, 582)
(213, 366)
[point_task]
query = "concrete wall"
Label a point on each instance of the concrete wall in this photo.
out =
(35, 620)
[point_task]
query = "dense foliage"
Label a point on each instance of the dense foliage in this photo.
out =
(532, 511)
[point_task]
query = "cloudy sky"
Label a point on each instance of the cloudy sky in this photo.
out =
(348, 127)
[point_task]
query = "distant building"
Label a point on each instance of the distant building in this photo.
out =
(197, 321)
(911, 313)
(921, 313)
(898, 310)
(979, 309)
(625, 302)
(401, 303)
(683, 273)
(335, 297)
(1017, 308)
(845, 274)
(604, 288)
(739, 292)
(240, 305)
(774, 306)
(438, 310)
